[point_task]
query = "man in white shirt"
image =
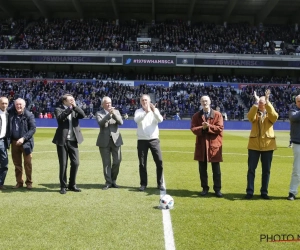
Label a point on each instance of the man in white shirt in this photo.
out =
(3, 141)
(147, 119)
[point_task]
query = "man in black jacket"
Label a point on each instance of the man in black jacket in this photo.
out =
(21, 130)
(67, 138)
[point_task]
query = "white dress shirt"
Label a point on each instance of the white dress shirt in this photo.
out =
(4, 122)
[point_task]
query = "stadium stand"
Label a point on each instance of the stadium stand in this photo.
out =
(167, 36)
(42, 96)
(237, 38)
(75, 34)
(113, 36)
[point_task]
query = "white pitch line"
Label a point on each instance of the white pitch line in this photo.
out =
(167, 223)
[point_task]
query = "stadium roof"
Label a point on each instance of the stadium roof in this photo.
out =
(255, 11)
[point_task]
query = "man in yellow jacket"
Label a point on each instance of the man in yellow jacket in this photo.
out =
(261, 143)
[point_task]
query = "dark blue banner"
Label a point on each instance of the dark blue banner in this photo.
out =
(167, 124)
(149, 61)
(114, 59)
(53, 59)
(241, 63)
(222, 84)
(164, 60)
(153, 83)
(185, 61)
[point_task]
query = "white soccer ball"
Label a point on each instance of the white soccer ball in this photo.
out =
(166, 202)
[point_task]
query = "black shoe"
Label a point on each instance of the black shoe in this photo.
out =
(161, 187)
(219, 194)
(204, 192)
(142, 188)
(63, 191)
(291, 197)
(114, 185)
(106, 187)
(265, 196)
(249, 196)
(74, 188)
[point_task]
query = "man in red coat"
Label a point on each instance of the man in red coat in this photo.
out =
(207, 125)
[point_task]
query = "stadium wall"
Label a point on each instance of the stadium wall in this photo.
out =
(167, 124)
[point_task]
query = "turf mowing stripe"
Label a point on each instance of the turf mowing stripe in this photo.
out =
(165, 151)
(167, 223)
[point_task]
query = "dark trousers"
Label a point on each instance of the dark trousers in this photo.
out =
(70, 149)
(3, 162)
(143, 146)
(216, 175)
(266, 160)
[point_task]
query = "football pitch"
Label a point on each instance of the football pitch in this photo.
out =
(127, 219)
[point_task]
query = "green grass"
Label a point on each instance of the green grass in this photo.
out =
(127, 219)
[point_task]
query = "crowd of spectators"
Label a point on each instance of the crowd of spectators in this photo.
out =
(131, 76)
(91, 75)
(282, 97)
(240, 38)
(74, 34)
(8, 29)
(170, 35)
(42, 96)
(252, 79)
(6, 42)
(119, 76)
(182, 98)
(21, 73)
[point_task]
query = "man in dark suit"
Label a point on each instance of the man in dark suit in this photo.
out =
(3, 141)
(21, 130)
(67, 138)
(109, 142)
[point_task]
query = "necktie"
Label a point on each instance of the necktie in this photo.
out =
(206, 115)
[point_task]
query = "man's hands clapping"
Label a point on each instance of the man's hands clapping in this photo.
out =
(205, 125)
(152, 107)
(111, 111)
(267, 95)
(73, 103)
(256, 97)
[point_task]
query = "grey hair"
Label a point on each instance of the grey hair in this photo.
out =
(105, 98)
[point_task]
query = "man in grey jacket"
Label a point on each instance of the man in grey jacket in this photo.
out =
(109, 142)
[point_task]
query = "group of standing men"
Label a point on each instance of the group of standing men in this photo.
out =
(109, 141)
(207, 125)
(17, 127)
